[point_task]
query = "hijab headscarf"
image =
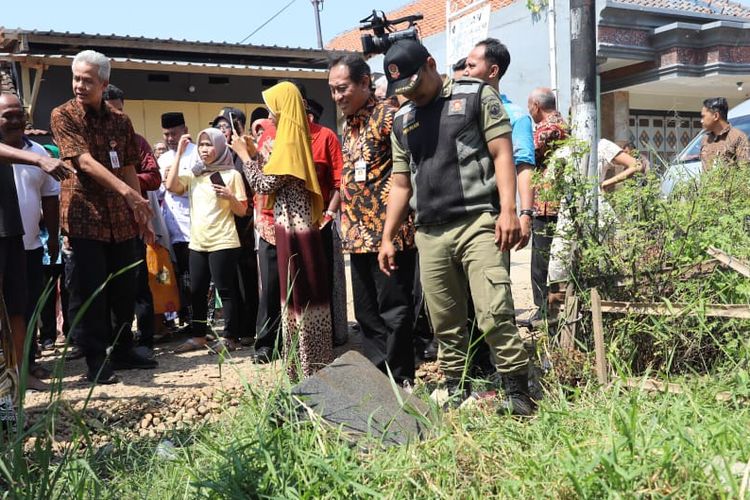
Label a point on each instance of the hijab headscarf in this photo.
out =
(292, 150)
(261, 123)
(223, 160)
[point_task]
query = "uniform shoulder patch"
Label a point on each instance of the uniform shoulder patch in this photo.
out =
(496, 110)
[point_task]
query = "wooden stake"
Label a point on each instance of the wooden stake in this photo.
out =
(729, 261)
(602, 370)
(569, 321)
(735, 311)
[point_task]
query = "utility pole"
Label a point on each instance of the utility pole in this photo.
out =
(583, 79)
(552, 25)
(318, 6)
(583, 100)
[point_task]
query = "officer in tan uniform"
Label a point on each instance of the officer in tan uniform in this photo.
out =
(453, 162)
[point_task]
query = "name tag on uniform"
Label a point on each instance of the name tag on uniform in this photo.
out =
(114, 160)
(360, 171)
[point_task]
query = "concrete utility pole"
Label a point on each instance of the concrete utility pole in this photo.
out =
(552, 25)
(583, 78)
(318, 6)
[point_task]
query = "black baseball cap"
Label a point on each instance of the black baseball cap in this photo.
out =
(238, 115)
(402, 63)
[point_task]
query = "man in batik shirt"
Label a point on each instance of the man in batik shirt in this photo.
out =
(550, 130)
(383, 305)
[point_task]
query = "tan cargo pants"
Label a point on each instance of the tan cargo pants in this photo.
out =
(450, 255)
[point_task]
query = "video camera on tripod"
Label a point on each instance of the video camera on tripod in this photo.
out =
(384, 34)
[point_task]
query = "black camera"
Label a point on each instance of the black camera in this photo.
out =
(384, 33)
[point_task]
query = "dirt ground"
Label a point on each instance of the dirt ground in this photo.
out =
(192, 380)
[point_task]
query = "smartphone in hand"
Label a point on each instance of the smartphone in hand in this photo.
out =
(216, 179)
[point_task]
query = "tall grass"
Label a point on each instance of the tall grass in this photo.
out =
(585, 442)
(31, 465)
(598, 443)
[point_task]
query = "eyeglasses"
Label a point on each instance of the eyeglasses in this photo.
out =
(224, 126)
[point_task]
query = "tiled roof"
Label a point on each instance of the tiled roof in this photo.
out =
(6, 80)
(708, 7)
(433, 22)
(434, 15)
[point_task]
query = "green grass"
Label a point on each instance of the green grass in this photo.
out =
(588, 443)
(585, 442)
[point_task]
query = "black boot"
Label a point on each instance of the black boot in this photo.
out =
(458, 392)
(517, 400)
(431, 350)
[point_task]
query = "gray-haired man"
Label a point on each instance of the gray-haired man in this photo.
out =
(102, 213)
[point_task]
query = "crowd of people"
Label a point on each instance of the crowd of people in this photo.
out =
(420, 191)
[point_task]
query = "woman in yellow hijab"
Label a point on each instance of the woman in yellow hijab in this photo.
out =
(288, 177)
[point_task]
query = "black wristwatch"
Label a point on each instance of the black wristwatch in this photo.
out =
(527, 211)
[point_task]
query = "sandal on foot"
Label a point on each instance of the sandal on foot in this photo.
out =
(39, 371)
(223, 345)
(188, 346)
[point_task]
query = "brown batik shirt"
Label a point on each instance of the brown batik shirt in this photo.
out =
(367, 138)
(729, 146)
(88, 210)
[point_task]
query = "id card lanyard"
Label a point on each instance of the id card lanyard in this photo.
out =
(360, 165)
(114, 160)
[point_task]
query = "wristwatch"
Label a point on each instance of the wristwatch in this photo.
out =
(527, 211)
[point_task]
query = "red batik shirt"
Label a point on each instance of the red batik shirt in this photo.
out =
(546, 135)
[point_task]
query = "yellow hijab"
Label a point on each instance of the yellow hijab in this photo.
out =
(292, 150)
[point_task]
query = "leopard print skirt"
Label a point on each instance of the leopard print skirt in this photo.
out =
(305, 283)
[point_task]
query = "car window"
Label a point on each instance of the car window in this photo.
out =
(692, 151)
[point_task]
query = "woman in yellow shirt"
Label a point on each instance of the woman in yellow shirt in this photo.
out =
(217, 194)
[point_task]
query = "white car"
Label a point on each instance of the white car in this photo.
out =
(687, 164)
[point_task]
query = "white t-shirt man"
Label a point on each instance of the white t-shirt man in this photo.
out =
(176, 208)
(32, 185)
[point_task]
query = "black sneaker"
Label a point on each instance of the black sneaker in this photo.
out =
(132, 360)
(531, 321)
(101, 373)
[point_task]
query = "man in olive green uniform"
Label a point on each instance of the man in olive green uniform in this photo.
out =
(453, 160)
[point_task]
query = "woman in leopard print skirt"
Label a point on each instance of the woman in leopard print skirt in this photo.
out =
(289, 177)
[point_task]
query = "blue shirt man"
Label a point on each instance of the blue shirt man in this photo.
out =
(488, 61)
(523, 133)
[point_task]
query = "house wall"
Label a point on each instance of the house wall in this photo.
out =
(145, 100)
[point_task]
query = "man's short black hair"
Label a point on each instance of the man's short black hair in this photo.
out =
(112, 93)
(717, 105)
(460, 65)
(496, 53)
(358, 67)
